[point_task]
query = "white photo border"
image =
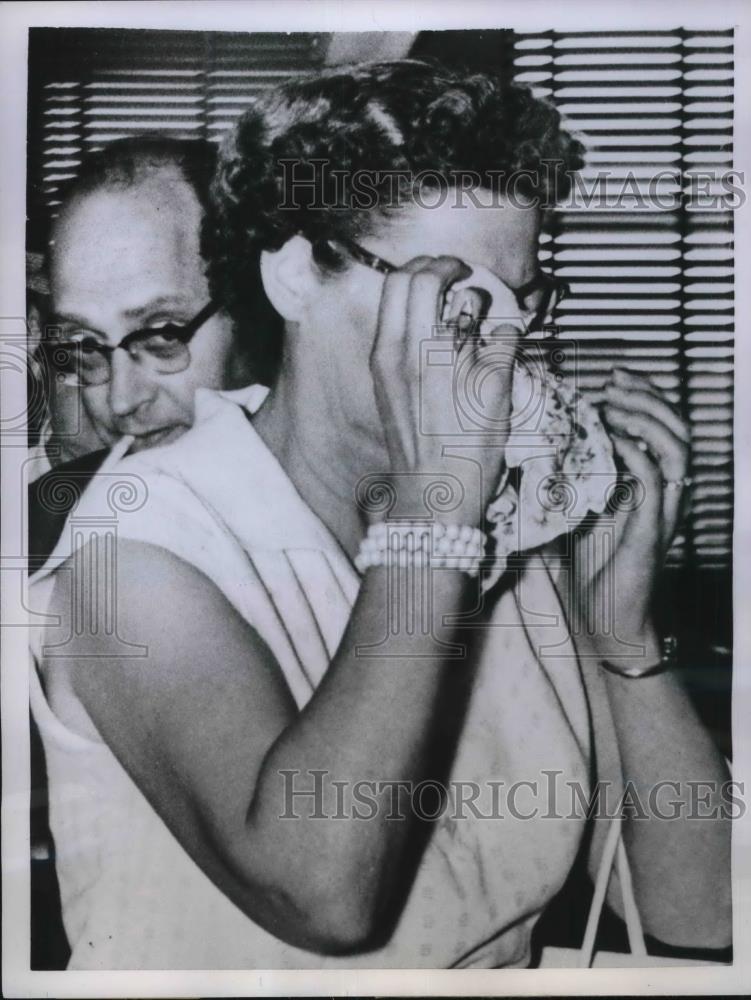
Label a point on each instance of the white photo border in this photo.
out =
(328, 15)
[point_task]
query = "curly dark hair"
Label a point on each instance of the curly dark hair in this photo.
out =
(329, 156)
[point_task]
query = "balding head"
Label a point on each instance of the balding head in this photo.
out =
(124, 256)
(111, 245)
(126, 162)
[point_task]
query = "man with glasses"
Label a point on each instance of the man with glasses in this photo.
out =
(131, 328)
(131, 321)
(131, 333)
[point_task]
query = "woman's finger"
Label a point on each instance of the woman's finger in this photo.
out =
(644, 521)
(392, 312)
(633, 392)
(669, 453)
(628, 380)
(464, 313)
(625, 376)
(645, 385)
(488, 376)
(639, 399)
(427, 289)
(492, 302)
(649, 384)
(395, 376)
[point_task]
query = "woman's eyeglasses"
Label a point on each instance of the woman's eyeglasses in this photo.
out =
(536, 299)
(163, 350)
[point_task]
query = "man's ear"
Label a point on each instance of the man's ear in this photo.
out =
(290, 277)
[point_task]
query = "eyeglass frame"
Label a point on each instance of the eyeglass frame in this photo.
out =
(183, 331)
(542, 278)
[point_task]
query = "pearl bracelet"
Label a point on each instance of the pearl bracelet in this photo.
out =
(417, 543)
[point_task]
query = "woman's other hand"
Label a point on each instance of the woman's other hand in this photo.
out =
(653, 443)
(443, 392)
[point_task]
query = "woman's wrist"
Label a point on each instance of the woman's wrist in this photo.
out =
(420, 543)
(627, 646)
(449, 496)
(636, 667)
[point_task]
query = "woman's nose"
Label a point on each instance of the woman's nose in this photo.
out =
(130, 385)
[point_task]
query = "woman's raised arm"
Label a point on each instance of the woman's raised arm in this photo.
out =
(206, 726)
(207, 729)
(660, 737)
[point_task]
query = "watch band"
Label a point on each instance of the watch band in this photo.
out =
(668, 659)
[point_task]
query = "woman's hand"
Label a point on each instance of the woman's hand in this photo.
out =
(653, 443)
(444, 395)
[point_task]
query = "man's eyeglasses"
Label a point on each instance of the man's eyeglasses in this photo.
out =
(536, 299)
(162, 350)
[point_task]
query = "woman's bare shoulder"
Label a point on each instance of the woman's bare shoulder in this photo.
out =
(135, 605)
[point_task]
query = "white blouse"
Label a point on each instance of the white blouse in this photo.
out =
(133, 899)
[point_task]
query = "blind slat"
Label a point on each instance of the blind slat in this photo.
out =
(650, 265)
(651, 282)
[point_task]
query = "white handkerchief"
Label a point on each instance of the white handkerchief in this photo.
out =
(566, 464)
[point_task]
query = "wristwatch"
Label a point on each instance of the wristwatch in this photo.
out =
(668, 659)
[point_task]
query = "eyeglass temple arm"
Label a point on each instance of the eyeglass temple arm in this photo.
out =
(211, 307)
(363, 256)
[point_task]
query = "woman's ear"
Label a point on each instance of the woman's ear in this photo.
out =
(290, 277)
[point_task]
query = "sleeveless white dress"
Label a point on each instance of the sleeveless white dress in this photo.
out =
(133, 899)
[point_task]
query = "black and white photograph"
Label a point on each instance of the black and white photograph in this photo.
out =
(373, 593)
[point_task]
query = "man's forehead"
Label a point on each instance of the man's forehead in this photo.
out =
(161, 204)
(112, 237)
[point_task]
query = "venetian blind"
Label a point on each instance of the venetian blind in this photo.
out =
(646, 241)
(97, 85)
(652, 284)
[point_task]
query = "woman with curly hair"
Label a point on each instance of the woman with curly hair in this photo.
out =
(320, 622)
